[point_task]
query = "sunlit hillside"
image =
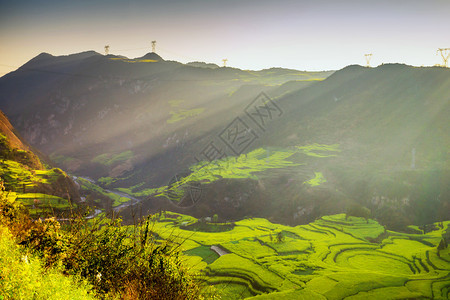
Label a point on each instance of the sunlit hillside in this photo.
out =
(163, 180)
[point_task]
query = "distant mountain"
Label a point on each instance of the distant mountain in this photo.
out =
(300, 144)
(151, 56)
(200, 64)
(86, 109)
(391, 109)
(391, 126)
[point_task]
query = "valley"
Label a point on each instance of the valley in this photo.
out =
(334, 257)
(271, 184)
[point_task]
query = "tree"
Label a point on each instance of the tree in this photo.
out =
(280, 237)
(441, 246)
(446, 236)
(356, 210)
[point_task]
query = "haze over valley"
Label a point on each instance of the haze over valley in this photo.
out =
(315, 168)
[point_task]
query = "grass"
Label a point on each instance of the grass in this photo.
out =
(89, 186)
(317, 180)
(22, 276)
(233, 290)
(234, 265)
(36, 202)
(319, 150)
(303, 294)
(182, 114)
(250, 248)
(118, 262)
(330, 258)
(61, 159)
(21, 179)
(106, 180)
(254, 165)
(387, 293)
(207, 255)
(290, 245)
(109, 159)
(179, 114)
(242, 166)
(19, 176)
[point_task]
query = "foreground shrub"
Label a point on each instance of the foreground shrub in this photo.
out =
(127, 261)
(22, 275)
(120, 262)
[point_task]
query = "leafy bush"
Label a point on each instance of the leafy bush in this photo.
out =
(125, 261)
(22, 276)
(118, 261)
(356, 210)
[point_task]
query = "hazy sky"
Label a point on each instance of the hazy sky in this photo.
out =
(252, 34)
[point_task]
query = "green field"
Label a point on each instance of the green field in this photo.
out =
(317, 180)
(89, 186)
(332, 258)
(21, 180)
(255, 164)
(38, 203)
(109, 159)
(177, 113)
(19, 176)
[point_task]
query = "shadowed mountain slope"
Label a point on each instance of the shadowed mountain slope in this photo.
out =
(308, 143)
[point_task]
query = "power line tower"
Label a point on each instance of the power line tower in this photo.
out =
(106, 49)
(445, 53)
(368, 58)
(225, 62)
(154, 46)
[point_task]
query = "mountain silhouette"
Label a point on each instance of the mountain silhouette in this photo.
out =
(139, 123)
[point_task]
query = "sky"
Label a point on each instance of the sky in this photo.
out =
(252, 34)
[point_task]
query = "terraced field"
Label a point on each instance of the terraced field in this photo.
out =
(38, 203)
(255, 164)
(19, 177)
(88, 185)
(332, 258)
(109, 159)
(21, 180)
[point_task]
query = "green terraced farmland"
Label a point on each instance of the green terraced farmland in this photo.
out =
(87, 185)
(256, 164)
(23, 182)
(38, 203)
(108, 159)
(331, 258)
(19, 176)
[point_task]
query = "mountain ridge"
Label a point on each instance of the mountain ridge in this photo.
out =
(134, 125)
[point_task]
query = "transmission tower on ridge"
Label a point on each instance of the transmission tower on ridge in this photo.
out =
(154, 46)
(445, 53)
(368, 58)
(225, 62)
(106, 49)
